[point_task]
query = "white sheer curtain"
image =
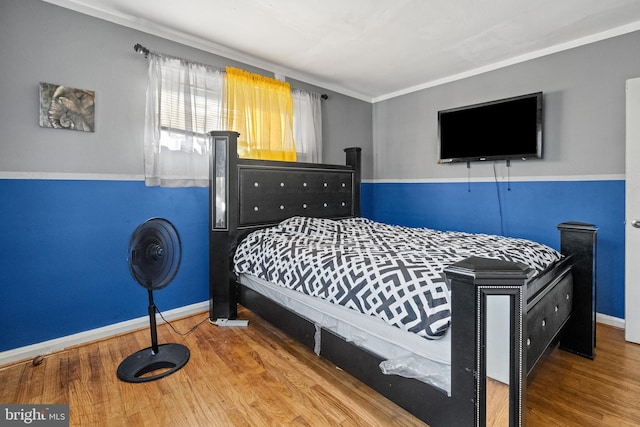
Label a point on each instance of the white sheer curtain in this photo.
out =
(307, 125)
(184, 102)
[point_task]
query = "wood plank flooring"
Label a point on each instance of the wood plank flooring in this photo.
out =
(257, 376)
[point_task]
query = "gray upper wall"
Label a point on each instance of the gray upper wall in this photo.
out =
(40, 42)
(584, 116)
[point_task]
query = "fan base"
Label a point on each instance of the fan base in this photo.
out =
(167, 360)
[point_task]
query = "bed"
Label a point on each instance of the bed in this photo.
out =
(547, 304)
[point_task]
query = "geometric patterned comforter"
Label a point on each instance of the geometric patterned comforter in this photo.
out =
(391, 272)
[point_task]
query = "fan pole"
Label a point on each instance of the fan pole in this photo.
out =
(152, 321)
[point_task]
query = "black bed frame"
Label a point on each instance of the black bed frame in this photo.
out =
(557, 307)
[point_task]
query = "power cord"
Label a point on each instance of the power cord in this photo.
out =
(185, 334)
(495, 177)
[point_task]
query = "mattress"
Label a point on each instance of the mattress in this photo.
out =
(392, 273)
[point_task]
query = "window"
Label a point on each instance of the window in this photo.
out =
(185, 101)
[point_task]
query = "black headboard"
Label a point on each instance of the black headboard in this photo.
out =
(246, 194)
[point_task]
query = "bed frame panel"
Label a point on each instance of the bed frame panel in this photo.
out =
(558, 306)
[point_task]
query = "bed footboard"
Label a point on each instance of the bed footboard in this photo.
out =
(559, 305)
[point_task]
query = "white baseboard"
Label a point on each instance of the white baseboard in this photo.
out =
(47, 347)
(610, 320)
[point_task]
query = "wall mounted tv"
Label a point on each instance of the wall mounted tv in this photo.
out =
(505, 129)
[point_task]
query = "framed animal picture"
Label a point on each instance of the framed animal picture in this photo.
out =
(64, 107)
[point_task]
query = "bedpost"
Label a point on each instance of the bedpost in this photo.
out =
(472, 281)
(354, 155)
(223, 221)
(578, 240)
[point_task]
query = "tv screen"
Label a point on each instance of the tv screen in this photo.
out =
(504, 129)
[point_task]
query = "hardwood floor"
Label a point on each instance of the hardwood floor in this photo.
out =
(258, 376)
(569, 390)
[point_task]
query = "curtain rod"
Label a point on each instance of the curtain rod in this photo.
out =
(146, 52)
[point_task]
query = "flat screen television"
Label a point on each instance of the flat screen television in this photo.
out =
(505, 129)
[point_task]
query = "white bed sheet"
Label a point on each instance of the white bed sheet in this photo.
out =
(404, 353)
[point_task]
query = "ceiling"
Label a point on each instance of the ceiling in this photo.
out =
(373, 49)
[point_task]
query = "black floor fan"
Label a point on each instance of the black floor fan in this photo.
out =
(154, 257)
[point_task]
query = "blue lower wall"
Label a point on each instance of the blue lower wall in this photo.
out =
(63, 259)
(530, 210)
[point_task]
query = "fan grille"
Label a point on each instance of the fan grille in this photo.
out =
(154, 253)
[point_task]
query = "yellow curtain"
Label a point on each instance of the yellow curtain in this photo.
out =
(261, 110)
